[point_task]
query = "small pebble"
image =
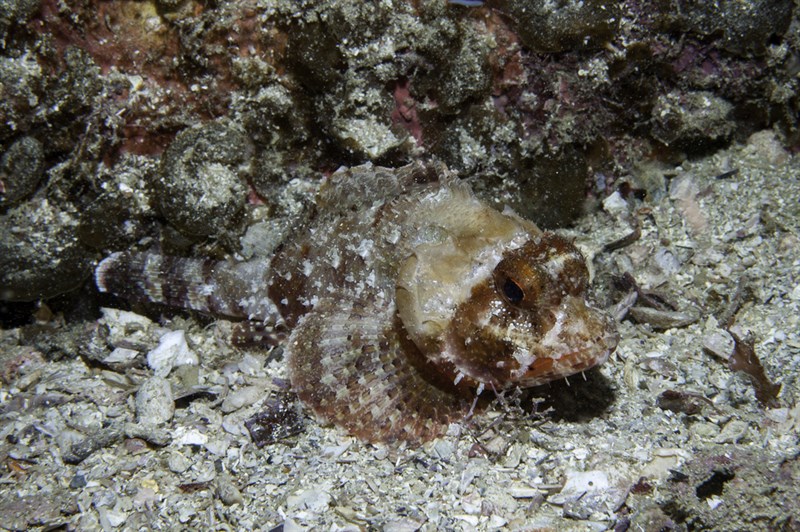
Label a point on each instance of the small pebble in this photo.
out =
(178, 463)
(242, 397)
(732, 432)
(443, 449)
(579, 483)
(313, 500)
(227, 491)
(171, 351)
(401, 524)
(116, 518)
(149, 433)
(278, 420)
(795, 294)
(121, 355)
(705, 430)
(78, 481)
(663, 319)
(188, 436)
(135, 445)
(218, 446)
(718, 344)
(251, 365)
(154, 402)
(615, 203)
(495, 521)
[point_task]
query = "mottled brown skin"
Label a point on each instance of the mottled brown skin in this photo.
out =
(523, 295)
(364, 358)
(523, 283)
(378, 390)
(405, 296)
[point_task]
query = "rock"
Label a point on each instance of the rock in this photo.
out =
(154, 402)
(23, 81)
(546, 26)
(692, 121)
(743, 28)
(242, 397)
(40, 256)
(178, 463)
(171, 351)
(16, 12)
(21, 169)
(227, 491)
(202, 183)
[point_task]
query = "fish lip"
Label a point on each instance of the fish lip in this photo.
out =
(570, 363)
(590, 352)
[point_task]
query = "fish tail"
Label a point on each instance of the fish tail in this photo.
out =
(236, 290)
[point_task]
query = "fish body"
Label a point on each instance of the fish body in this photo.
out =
(406, 297)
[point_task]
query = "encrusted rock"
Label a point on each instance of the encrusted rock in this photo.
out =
(40, 256)
(547, 26)
(202, 185)
(21, 168)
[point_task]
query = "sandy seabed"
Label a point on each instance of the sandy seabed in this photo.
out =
(663, 436)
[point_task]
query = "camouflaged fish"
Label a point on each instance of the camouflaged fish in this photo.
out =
(405, 296)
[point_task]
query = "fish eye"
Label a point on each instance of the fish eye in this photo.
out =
(512, 291)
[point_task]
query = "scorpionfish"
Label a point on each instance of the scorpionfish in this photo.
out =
(405, 298)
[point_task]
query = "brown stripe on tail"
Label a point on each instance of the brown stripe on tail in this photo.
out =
(236, 290)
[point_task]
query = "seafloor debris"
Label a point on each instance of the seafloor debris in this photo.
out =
(651, 307)
(661, 319)
(734, 488)
(689, 403)
(279, 419)
(626, 240)
(744, 359)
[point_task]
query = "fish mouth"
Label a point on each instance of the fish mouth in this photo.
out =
(581, 338)
(546, 369)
